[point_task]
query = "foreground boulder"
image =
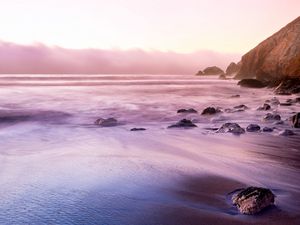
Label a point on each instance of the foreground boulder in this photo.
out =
(191, 110)
(267, 129)
(295, 120)
(233, 68)
(275, 58)
(252, 83)
(184, 123)
(109, 122)
(213, 70)
(210, 111)
(252, 200)
(233, 128)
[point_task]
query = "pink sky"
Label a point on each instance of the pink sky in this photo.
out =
(230, 27)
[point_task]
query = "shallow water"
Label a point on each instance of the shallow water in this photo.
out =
(57, 167)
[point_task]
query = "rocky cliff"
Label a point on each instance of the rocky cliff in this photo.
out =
(276, 58)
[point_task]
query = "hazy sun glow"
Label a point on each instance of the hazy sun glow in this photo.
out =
(176, 25)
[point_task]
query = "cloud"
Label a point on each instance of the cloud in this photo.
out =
(41, 59)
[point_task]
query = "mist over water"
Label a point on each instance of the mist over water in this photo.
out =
(57, 167)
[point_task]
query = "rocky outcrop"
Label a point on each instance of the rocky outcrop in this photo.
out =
(233, 68)
(276, 58)
(253, 199)
(213, 70)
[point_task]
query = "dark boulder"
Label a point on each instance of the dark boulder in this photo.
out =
(184, 123)
(253, 128)
(252, 200)
(213, 70)
(235, 96)
(243, 107)
(210, 111)
(252, 83)
(109, 122)
(233, 128)
(191, 110)
(295, 120)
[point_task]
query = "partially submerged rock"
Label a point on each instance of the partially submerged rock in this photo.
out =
(137, 129)
(210, 111)
(272, 117)
(243, 107)
(289, 86)
(184, 123)
(287, 132)
(252, 83)
(191, 110)
(295, 120)
(235, 96)
(233, 128)
(273, 101)
(252, 200)
(109, 122)
(253, 128)
(267, 129)
(265, 107)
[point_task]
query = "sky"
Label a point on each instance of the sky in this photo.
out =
(230, 27)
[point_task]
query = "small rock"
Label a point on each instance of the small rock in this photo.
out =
(265, 107)
(184, 123)
(110, 122)
(191, 110)
(235, 96)
(287, 132)
(233, 128)
(253, 128)
(242, 107)
(137, 129)
(273, 101)
(267, 129)
(279, 122)
(296, 120)
(210, 111)
(253, 199)
(272, 117)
